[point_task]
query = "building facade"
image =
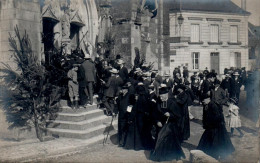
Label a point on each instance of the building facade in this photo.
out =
(213, 34)
(137, 26)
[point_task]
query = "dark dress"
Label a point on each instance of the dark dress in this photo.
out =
(124, 101)
(182, 102)
(168, 146)
(136, 121)
(215, 140)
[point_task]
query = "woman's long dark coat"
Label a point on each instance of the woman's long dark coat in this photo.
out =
(123, 102)
(136, 133)
(168, 145)
(215, 140)
(182, 101)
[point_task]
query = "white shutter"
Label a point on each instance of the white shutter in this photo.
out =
(233, 33)
(195, 33)
(214, 32)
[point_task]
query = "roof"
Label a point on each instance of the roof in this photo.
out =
(219, 6)
(254, 30)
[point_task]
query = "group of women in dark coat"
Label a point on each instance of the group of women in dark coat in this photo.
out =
(152, 122)
(161, 123)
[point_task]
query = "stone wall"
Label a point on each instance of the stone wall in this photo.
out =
(26, 15)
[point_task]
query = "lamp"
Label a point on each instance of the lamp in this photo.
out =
(180, 19)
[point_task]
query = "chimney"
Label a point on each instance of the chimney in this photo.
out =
(243, 4)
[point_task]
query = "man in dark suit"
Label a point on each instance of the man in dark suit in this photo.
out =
(206, 86)
(112, 89)
(168, 81)
(90, 77)
(235, 86)
(185, 73)
(178, 79)
(226, 84)
(123, 72)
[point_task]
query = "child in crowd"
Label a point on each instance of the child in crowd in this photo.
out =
(73, 86)
(234, 121)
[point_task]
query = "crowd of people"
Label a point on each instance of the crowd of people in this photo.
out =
(154, 111)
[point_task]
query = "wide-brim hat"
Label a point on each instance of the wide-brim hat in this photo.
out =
(151, 86)
(163, 90)
(114, 71)
(163, 86)
(227, 75)
(145, 65)
(87, 56)
(146, 74)
(236, 73)
(181, 86)
(138, 70)
(167, 75)
(120, 61)
(76, 65)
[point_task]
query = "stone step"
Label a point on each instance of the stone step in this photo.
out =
(68, 109)
(81, 125)
(92, 132)
(79, 116)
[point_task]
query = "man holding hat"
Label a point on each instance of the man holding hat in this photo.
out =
(90, 77)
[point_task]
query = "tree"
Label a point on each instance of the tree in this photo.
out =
(28, 96)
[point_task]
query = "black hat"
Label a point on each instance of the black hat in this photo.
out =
(209, 75)
(217, 82)
(163, 90)
(187, 82)
(181, 86)
(140, 89)
(201, 75)
(153, 75)
(118, 56)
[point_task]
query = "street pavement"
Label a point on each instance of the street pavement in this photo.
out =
(74, 150)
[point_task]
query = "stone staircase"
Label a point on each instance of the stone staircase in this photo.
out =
(83, 123)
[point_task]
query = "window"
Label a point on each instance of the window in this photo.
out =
(233, 34)
(195, 33)
(214, 33)
(195, 60)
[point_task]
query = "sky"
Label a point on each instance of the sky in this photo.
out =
(252, 6)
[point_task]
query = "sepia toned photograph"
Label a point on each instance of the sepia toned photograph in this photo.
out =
(129, 81)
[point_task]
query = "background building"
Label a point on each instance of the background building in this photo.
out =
(204, 33)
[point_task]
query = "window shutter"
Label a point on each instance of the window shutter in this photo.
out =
(195, 33)
(233, 33)
(214, 32)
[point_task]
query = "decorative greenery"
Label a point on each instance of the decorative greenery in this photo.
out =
(30, 94)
